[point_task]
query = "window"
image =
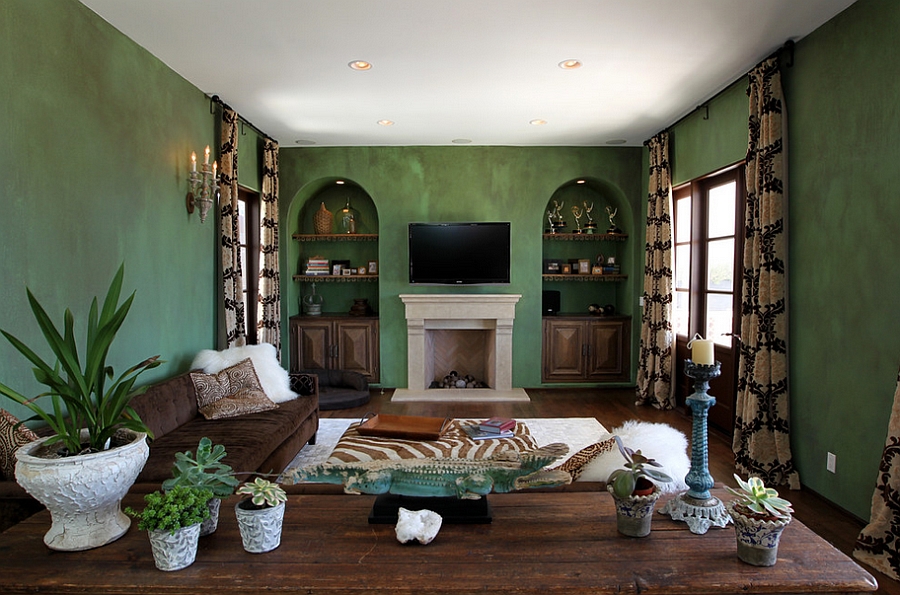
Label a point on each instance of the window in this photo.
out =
(248, 237)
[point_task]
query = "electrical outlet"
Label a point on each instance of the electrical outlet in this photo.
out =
(641, 301)
(831, 462)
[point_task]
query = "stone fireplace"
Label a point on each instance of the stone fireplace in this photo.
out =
(446, 330)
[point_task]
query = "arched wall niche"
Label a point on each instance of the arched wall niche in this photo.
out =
(591, 191)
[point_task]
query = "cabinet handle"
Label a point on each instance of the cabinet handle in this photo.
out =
(584, 350)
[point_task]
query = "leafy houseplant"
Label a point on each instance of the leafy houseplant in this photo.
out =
(260, 515)
(92, 418)
(634, 491)
(759, 517)
(172, 520)
(204, 470)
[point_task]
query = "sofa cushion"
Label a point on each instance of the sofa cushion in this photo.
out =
(272, 377)
(167, 405)
(11, 438)
(232, 392)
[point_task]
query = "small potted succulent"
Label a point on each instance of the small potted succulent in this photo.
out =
(260, 515)
(172, 520)
(635, 492)
(204, 470)
(759, 517)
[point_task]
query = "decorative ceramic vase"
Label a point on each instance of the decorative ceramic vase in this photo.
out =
(757, 538)
(360, 307)
(84, 492)
(323, 220)
(635, 513)
(260, 528)
(347, 219)
(174, 551)
(209, 526)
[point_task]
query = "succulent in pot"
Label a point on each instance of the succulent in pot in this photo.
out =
(172, 520)
(204, 470)
(90, 421)
(260, 515)
(759, 516)
(634, 491)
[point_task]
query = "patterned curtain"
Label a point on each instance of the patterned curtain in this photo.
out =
(654, 377)
(878, 545)
(269, 312)
(232, 284)
(762, 430)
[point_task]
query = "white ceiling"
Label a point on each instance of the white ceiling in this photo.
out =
(479, 70)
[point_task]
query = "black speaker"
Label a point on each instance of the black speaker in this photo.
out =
(550, 302)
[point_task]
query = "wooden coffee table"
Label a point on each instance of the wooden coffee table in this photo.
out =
(563, 542)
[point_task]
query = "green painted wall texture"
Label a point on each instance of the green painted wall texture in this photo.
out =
(94, 159)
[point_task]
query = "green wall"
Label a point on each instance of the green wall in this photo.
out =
(843, 121)
(94, 156)
(463, 184)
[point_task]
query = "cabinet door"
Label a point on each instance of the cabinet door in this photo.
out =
(563, 350)
(312, 344)
(357, 347)
(607, 350)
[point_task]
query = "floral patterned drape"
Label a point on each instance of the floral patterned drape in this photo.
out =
(654, 377)
(268, 322)
(232, 284)
(878, 545)
(762, 428)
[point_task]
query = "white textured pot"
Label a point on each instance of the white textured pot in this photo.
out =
(209, 526)
(260, 529)
(634, 515)
(757, 539)
(83, 493)
(174, 551)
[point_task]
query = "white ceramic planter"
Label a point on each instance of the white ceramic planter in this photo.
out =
(757, 539)
(83, 493)
(260, 529)
(209, 526)
(174, 551)
(634, 515)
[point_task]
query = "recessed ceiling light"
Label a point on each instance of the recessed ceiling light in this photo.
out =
(616, 141)
(385, 122)
(360, 65)
(461, 141)
(339, 182)
(570, 64)
(304, 141)
(579, 181)
(538, 122)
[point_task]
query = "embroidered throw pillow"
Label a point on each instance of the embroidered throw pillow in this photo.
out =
(11, 438)
(232, 392)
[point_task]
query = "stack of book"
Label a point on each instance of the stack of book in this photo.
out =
(495, 427)
(317, 266)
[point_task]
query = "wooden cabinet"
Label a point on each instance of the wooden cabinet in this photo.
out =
(586, 349)
(336, 342)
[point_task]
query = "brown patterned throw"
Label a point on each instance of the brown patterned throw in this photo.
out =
(232, 392)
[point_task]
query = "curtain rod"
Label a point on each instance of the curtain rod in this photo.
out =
(217, 99)
(788, 47)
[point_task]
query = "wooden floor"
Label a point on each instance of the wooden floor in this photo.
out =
(611, 407)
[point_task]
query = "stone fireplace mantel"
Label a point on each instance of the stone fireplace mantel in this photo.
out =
(492, 313)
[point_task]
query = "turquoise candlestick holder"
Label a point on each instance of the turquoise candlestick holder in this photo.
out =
(697, 507)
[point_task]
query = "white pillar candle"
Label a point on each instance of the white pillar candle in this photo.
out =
(206, 161)
(193, 161)
(702, 351)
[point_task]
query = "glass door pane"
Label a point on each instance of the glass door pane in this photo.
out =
(721, 210)
(718, 317)
(720, 265)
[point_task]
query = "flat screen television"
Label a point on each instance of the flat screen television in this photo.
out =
(459, 253)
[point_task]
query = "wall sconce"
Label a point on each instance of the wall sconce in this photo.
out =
(204, 185)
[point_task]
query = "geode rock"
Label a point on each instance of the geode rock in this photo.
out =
(419, 525)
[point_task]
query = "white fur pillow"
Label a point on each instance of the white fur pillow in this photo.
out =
(274, 379)
(661, 442)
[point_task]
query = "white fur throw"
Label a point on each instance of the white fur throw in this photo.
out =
(661, 442)
(273, 378)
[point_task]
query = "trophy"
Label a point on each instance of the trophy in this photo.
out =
(613, 228)
(591, 225)
(557, 222)
(578, 214)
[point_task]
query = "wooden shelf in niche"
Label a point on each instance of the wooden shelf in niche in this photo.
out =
(584, 277)
(334, 278)
(586, 237)
(336, 237)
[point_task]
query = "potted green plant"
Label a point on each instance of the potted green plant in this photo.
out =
(204, 470)
(172, 520)
(91, 423)
(260, 515)
(634, 491)
(759, 517)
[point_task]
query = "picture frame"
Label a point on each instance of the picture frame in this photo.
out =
(584, 266)
(338, 266)
(552, 266)
(566, 269)
(346, 272)
(335, 269)
(373, 267)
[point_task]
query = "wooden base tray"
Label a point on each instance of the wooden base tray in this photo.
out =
(408, 427)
